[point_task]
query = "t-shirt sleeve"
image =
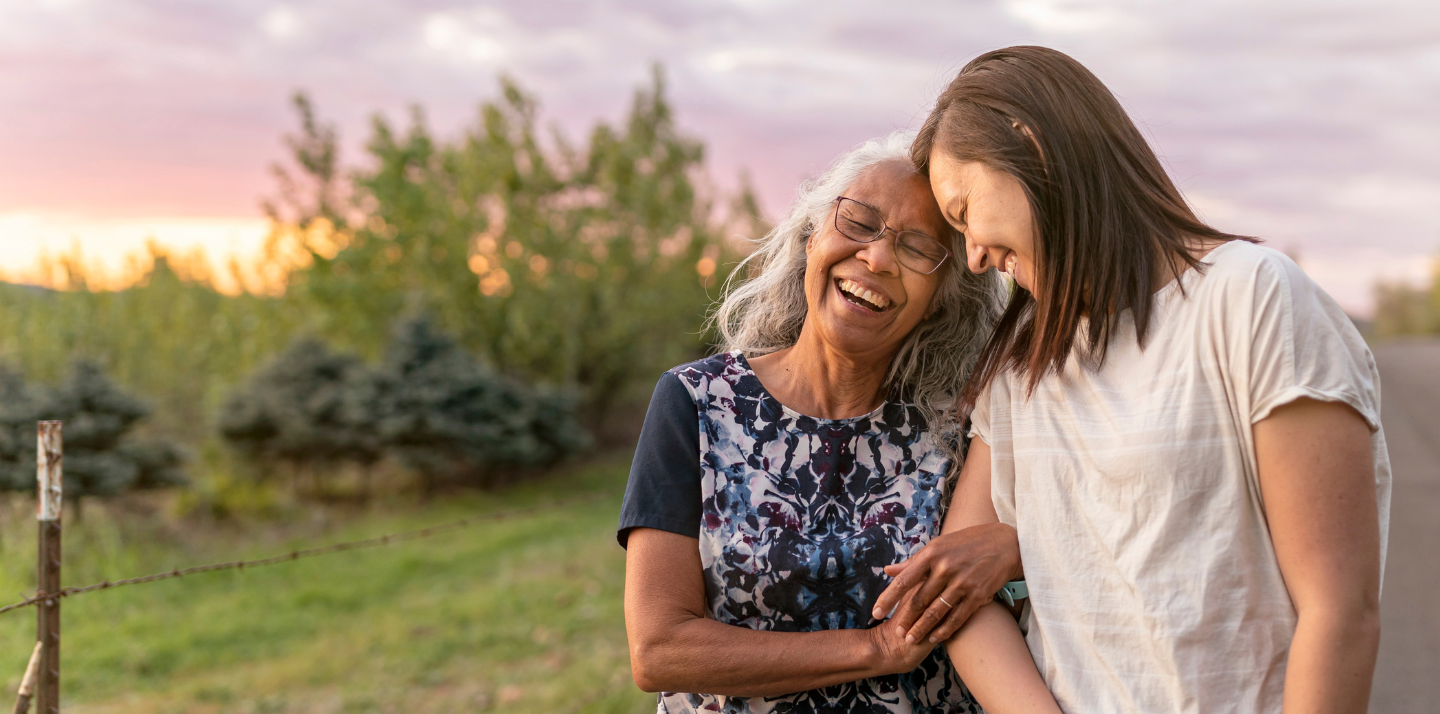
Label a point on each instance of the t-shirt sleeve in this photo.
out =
(1302, 345)
(979, 419)
(664, 487)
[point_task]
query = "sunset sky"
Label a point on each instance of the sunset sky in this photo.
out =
(1312, 123)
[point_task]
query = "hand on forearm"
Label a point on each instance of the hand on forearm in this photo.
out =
(951, 577)
(966, 564)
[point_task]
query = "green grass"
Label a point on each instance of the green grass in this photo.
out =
(520, 615)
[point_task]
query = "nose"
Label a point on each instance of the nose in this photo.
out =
(879, 254)
(977, 258)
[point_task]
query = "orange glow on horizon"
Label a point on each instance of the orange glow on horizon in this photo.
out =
(68, 252)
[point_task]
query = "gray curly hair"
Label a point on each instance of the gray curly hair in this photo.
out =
(764, 313)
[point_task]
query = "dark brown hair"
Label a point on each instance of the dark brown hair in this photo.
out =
(1107, 217)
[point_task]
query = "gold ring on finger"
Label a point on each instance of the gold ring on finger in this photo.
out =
(947, 602)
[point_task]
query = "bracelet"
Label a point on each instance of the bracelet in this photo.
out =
(1013, 590)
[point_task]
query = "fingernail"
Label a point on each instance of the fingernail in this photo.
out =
(909, 639)
(877, 613)
(899, 631)
(932, 640)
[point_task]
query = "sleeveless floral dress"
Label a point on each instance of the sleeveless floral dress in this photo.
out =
(799, 517)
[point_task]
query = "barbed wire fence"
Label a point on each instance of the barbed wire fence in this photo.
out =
(41, 681)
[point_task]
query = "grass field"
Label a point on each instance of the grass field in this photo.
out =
(518, 615)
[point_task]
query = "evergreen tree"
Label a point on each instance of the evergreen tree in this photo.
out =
(453, 420)
(310, 408)
(99, 458)
(21, 406)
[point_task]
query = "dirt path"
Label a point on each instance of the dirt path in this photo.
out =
(1407, 678)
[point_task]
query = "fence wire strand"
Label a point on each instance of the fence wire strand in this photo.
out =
(374, 542)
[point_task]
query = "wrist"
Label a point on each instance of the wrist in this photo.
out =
(874, 658)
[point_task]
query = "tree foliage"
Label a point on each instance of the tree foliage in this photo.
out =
(430, 404)
(1403, 309)
(102, 457)
(21, 406)
(453, 420)
(309, 407)
(585, 266)
(171, 337)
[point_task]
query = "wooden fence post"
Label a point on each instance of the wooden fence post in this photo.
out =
(48, 476)
(27, 683)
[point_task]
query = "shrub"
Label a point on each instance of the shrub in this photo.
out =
(454, 421)
(431, 405)
(310, 408)
(101, 458)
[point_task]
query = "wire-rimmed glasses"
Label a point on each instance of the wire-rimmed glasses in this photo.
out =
(863, 224)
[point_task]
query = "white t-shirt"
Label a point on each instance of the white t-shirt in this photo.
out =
(1153, 580)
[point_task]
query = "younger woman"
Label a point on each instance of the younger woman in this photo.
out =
(1182, 428)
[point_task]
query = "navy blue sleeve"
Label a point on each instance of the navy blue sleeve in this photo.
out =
(664, 487)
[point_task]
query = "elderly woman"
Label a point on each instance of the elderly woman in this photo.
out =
(774, 481)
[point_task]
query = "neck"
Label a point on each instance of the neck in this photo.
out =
(816, 380)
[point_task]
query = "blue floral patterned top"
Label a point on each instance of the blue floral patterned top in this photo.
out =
(797, 518)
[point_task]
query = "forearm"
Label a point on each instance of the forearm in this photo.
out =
(704, 656)
(990, 655)
(1332, 661)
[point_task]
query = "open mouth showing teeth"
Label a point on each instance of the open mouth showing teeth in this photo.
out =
(856, 293)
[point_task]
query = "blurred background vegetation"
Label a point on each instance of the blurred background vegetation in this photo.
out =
(533, 286)
(1402, 309)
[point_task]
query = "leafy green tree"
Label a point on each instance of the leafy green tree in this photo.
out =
(579, 266)
(454, 421)
(310, 408)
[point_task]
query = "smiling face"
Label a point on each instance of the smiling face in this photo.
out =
(861, 300)
(989, 207)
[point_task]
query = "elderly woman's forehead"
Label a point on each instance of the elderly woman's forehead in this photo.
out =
(896, 187)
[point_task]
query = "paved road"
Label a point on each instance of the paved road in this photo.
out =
(1407, 677)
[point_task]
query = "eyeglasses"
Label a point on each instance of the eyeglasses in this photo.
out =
(913, 249)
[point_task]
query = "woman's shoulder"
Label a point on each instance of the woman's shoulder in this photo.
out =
(716, 365)
(1262, 289)
(1242, 259)
(700, 377)
(1240, 273)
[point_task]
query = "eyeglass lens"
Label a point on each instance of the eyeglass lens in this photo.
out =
(913, 249)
